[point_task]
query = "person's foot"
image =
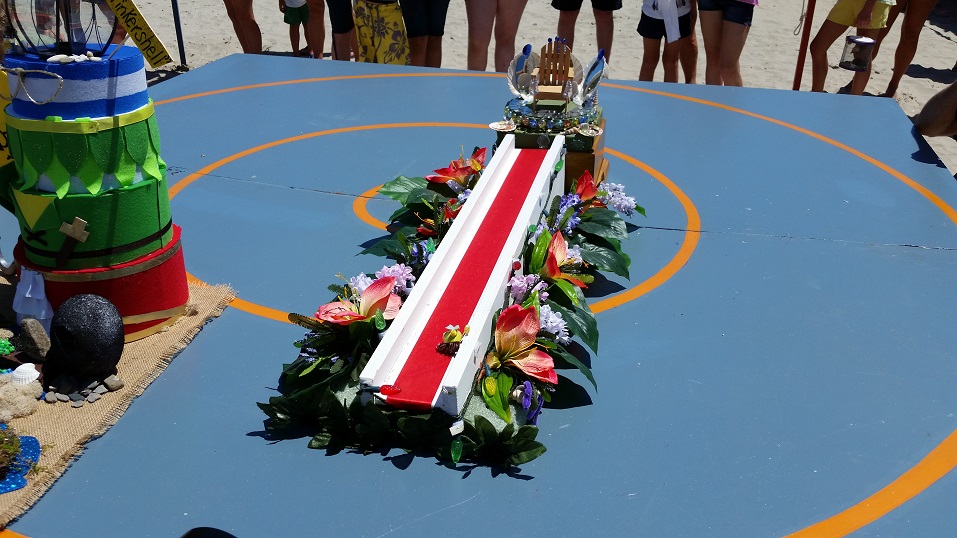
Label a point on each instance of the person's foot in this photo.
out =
(891, 91)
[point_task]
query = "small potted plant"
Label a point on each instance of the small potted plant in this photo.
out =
(9, 448)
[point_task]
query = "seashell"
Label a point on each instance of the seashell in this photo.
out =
(66, 59)
(89, 54)
(56, 58)
(25, 374)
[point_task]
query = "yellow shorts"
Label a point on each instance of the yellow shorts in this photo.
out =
(845, 13)
(381, 33)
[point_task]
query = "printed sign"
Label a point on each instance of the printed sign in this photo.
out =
(141, 33)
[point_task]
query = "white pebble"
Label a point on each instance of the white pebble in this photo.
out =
(56, 58)
(66, 59)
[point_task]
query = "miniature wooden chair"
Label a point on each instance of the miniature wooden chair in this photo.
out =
(554, 71)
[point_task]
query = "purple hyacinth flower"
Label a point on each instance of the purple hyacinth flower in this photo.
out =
(532, 417)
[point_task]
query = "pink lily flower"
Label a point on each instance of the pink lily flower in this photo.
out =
(557, 258)
(515, 334)
(377, 296)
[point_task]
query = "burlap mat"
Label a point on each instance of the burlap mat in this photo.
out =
(63, 430)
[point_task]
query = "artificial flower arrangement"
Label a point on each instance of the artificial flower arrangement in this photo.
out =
(579, 233)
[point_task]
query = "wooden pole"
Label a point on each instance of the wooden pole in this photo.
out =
(805, 37)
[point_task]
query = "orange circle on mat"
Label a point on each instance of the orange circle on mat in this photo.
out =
(692, 229)
(940, 461)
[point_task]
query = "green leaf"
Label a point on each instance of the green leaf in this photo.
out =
(561, 354)
(504, 391)
(527, 455)
(538, 253)
(505, 435)
(374, 428)
(603, 222)
(526, 433)
(399, 188)
(485, 430)
(311, 367)
(71, 151)
(605, 259)
(552, 213)
(320, 440)
(388, 247)
(490, 394)
(533, 300)
(379, 320)
(425, 196)
(581, 322)
(569, 289)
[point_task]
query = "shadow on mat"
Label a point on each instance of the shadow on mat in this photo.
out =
(207, 532)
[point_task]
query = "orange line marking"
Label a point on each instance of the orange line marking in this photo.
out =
(319, 79)
(940, 461)
(926, 193)
(677, 262)
(935, 465)
(361, 211)
(692, 233)
(943, 458)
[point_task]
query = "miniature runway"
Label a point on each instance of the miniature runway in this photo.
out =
(782, 359)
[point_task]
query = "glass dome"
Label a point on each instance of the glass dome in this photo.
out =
(50, 27)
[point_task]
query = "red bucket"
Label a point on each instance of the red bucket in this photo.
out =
(150, 292)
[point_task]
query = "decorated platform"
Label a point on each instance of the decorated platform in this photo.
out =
(780, 360)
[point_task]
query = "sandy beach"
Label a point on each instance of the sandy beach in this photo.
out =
(768, 60)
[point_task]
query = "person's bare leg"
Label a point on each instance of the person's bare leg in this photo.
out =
(417, 50)
(507, 19)
(825, 37)
(891, 17)
(859, 82)
(604, 30)
(733, 38)
(316, 27)
(244, 24)
(669, 59)
(344, 45)
(433, 52)
(917, 12)
(481, 19)
(120, 35)
(689, 50)
(711, 26)
(649, 59)
(566, 27)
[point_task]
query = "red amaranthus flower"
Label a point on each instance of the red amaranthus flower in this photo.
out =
(460, 171)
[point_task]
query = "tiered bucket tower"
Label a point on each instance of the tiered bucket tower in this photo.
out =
(90, 193)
